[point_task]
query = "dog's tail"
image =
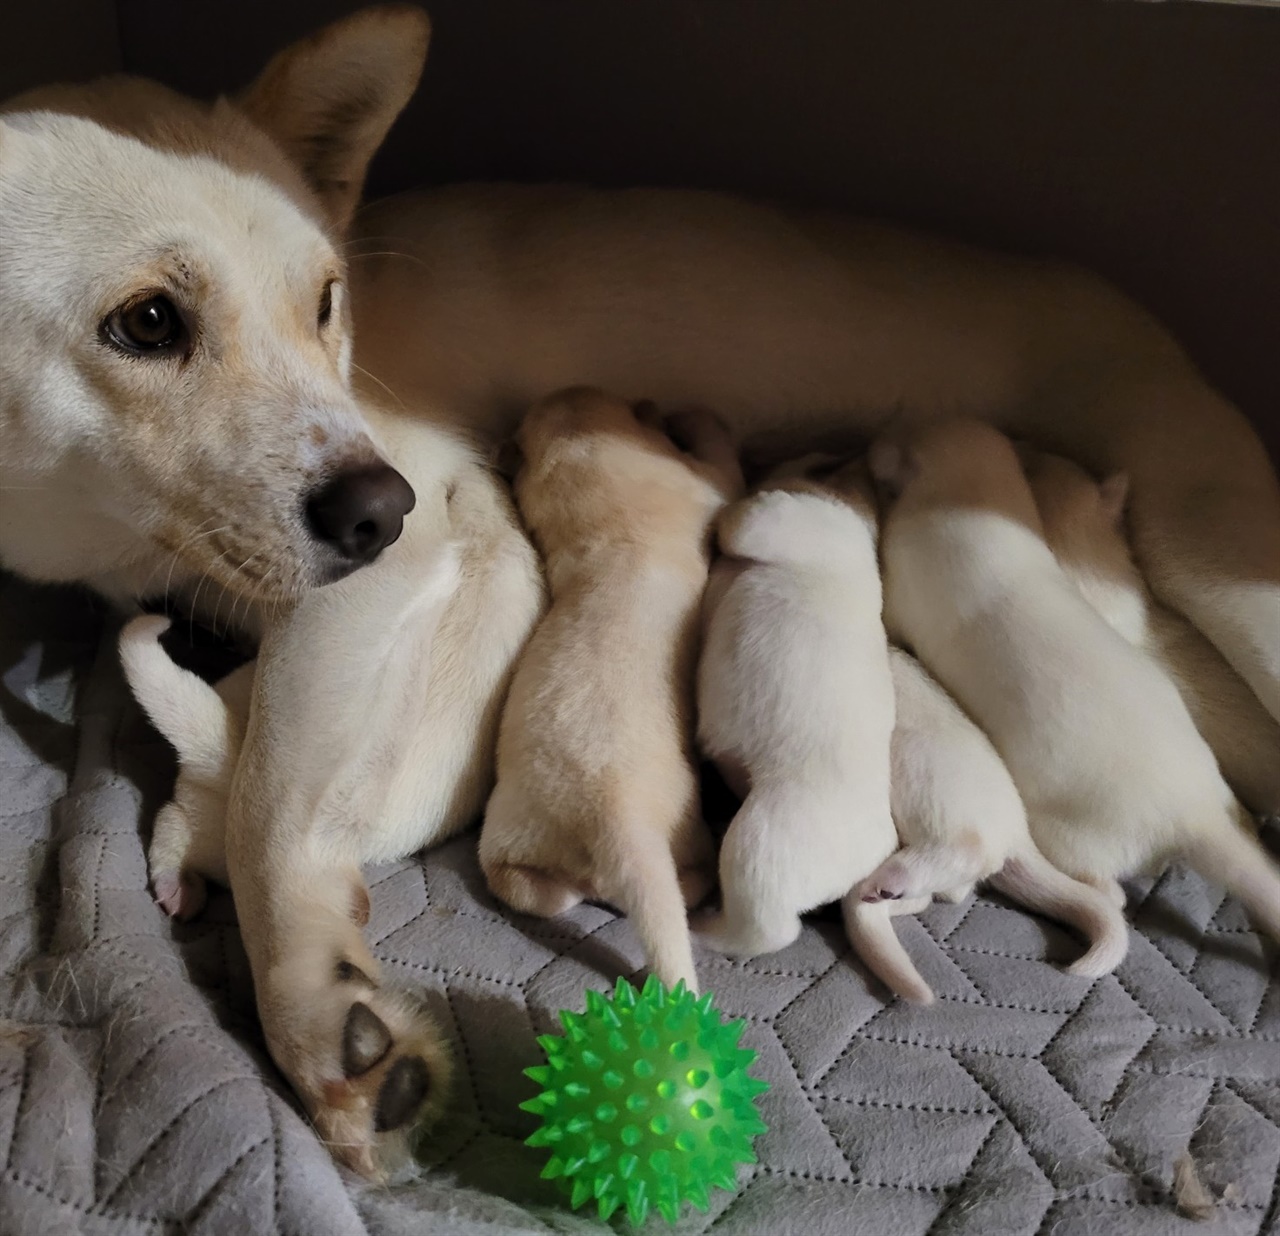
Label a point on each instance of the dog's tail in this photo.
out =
(1234, 858)
(870, 929)
(181, 705)
(644, 883)
(1032, 880)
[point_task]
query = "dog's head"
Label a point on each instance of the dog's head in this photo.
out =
(175, 341)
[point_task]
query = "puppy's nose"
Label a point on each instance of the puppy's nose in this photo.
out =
(360, 512)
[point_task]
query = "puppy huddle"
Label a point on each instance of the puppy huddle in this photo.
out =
(922, 671)
(1046, 749)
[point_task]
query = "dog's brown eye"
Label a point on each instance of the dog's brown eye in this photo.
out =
(325, 311)
(146, 327)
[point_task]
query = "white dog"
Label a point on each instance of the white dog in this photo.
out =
(1084, 526)
(596, 793)
(795, 706)
(1114, 776)
(961, 821)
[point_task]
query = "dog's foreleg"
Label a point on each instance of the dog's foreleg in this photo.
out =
(340, 685)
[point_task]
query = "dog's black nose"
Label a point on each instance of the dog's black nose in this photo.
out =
(360, 512)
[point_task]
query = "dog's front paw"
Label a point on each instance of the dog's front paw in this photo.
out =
(368, 1062)
(393, 1077)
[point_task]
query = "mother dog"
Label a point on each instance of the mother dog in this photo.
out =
(180, 411)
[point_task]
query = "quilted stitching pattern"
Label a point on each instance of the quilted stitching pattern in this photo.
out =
(135, 1096)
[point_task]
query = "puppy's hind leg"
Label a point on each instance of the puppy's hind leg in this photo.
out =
(1233, 857)
(925, 870)
(528, 889)
(779, 859)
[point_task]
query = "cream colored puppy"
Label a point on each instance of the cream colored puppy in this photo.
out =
(1113, 774)
(961, 820)
(1084, 526)
(596, 794)
(795, 706)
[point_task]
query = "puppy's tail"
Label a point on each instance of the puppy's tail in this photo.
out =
(1032, 880)
(1234, 858)
(181, 705)
(645, 884)
(870, 929)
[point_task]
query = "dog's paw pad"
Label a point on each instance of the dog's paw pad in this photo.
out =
(181, 895)
(365, 1040)
(403, 1090)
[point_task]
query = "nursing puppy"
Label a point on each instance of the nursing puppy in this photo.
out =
(795, 706)
(961, 820)
(1084, 526)
(205, 725)
(1114, 776)
(596, 795)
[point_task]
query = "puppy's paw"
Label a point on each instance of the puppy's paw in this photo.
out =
(392, 1077)
(180, 894)
(891, 881)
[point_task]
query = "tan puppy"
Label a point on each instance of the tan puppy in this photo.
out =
(1084, 526)
(596, 795)
(961, 821)
(1113, 774)
(795, 706)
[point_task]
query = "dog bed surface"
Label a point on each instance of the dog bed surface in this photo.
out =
(136, 1097)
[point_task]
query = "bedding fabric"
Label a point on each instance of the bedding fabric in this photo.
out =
(136, 1097)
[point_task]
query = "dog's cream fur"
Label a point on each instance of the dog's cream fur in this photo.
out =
(795, 706)
(596, 793)
(1112, 772)
(1084, 526)
(139, 477)
(961, 820)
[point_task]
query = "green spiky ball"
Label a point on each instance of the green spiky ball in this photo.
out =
(646, 1101)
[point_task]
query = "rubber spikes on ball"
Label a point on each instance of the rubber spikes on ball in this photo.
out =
(646, 1101)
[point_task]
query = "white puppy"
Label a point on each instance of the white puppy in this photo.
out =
(1084, 526)
(795, 706)
(596, 793)
(1113, 774)
(961, 820)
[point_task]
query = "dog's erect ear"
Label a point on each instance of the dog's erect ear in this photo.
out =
(329, 100)
(1115, 496)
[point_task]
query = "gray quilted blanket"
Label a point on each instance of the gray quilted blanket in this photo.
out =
(135, 1095)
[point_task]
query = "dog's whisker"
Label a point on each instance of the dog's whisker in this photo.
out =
(376, 253)
(379, 381)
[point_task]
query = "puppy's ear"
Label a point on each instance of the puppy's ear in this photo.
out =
(1115, 496)
(329, 100)
(892, 467)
